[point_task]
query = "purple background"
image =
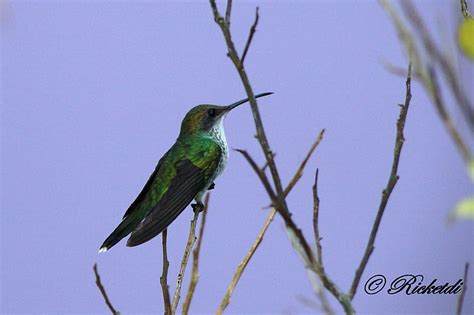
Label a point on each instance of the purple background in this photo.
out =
(93, 94)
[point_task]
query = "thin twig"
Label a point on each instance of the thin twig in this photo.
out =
(392, 181)
(259, 172)
(244, 263)
(164, 275)
(103, 292)
(317, 238)
(228, 10)
(184, 261)
(463, 292)
(250, 37)
(324, 303)
(196, 251)
(299, 171)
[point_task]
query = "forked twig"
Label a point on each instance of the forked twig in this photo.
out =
(299, 171)
(243, 264)
(259, 172)
(299, 242)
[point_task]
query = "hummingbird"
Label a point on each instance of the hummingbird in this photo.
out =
(185, 172)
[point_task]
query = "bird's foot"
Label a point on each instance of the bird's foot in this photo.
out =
(198, 207)
(212, 186)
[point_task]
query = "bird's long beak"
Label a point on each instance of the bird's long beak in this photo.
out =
(245, 100)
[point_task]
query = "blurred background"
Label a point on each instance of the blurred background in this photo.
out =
(93, 94)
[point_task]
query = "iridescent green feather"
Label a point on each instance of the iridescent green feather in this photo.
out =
(203, 153)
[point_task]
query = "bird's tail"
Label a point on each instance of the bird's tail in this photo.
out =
(123, 229)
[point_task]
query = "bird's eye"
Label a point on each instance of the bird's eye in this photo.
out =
(211, 112)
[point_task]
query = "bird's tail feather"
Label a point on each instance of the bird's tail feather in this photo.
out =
(122, 230)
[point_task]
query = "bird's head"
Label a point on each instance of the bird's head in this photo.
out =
(205, 117)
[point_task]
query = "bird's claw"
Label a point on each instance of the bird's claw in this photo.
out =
(198, 207)
(212, 186)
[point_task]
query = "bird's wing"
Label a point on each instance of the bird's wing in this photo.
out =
(192, 174)
(136, 203)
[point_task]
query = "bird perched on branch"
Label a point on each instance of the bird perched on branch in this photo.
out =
(184, 173)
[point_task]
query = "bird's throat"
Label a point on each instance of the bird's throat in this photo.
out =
(217, 132)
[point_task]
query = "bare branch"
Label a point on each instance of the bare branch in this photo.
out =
(301, 246)
(427, 76)
(463, 292)
(325, 305)
(316, 220)
(164, 275)
(392, 181)
(249, 39)
(244, 263)
(103, 292)
(196, 251)
(464, 10)
(246, 260)
(295, 235)
(446, 118)
(318, 267)
(299, 171)
(439, 105)
(259, 172)
(228, 10)
(184, 261)
(261, 136)
(448, 68)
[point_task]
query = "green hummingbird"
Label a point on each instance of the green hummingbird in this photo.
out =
(186, 171)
